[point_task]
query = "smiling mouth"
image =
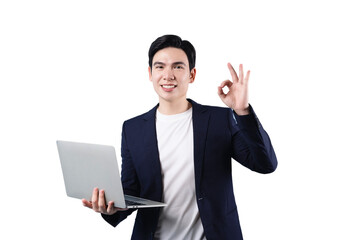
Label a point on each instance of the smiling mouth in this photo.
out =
(168, 86)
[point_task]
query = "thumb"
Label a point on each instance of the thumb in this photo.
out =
(221, 93)
(86, 203)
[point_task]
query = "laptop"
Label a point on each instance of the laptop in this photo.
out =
(86, 166)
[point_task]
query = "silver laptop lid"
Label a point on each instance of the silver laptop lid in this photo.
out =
(86, 166)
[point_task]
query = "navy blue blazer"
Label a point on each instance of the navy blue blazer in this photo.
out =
(219, 136)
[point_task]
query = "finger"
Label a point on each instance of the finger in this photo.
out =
(86, 203)
(110, 209)
(233, 73)
(95, 199)
(227, 83)
(221, 93)
(241, 73)
(246, 79)
(102, 201)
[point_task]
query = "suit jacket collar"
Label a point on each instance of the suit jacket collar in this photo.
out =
(201, 117)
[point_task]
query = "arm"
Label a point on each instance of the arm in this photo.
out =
(251, 145)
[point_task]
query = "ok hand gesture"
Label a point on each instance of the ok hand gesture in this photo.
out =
(237, 97)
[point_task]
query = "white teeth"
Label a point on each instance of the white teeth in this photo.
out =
(168, 86)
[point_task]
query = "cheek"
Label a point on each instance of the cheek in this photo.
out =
(185, 81)
(154, 78)
(183, 86)
(155, 82)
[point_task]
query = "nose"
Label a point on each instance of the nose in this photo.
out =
(168, 74)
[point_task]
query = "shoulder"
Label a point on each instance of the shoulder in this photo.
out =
(216, 109)
(207, 108)
(136, 118)
(214, 115)
(137, 121)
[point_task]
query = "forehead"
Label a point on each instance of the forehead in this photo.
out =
(169, 55)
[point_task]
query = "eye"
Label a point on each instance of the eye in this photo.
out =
(159, 67)
(179, 67)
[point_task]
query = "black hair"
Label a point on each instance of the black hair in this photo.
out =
(176, 42)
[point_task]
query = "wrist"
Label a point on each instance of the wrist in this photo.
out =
(242, 112)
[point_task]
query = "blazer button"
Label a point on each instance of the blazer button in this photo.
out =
(199, 199)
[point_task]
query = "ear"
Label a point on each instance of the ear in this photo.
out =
(150, 75)
(192, 75)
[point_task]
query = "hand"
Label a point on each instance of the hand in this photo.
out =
(98, 203)
(237, 97)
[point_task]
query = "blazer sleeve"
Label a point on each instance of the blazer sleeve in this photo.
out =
(251, 145)
(129, 181)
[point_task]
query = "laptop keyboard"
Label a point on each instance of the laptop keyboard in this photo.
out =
(132, 203)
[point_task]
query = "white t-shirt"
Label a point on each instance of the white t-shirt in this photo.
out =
(180, 219)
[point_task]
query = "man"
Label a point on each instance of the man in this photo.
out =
(180, 152)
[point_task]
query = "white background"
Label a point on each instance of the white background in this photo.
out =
(75, 70)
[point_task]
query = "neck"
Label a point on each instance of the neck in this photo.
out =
(171, 108)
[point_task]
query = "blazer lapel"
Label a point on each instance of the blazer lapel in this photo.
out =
(200, 126)
(150, 148)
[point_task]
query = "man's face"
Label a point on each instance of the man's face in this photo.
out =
(170, 74)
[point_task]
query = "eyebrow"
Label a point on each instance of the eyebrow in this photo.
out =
(175, 63)
(179, 63)
(160, 63)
